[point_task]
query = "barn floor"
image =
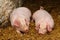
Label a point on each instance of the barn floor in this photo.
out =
(53, 7)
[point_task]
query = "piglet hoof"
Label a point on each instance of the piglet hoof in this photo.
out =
(18, 31)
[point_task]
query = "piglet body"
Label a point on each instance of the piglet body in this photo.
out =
(43, 21)
(20, 19)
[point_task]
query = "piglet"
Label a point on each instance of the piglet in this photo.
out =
(43, 21)
(20, 19)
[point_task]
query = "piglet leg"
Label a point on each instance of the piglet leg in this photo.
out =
(17, 31)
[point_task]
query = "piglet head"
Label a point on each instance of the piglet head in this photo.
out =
(42, 28)
(21, 25)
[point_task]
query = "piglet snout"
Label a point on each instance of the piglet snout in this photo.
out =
(26, 29)
(42, 31)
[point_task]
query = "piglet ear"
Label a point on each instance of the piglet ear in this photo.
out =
(16, 23)
(48, 28)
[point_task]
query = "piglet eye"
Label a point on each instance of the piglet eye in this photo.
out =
(38, 26)
(26, 22)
